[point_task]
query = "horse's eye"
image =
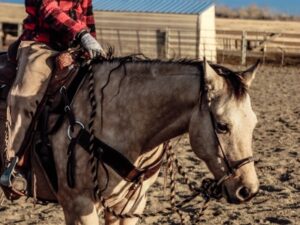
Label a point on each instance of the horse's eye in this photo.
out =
(222, 128)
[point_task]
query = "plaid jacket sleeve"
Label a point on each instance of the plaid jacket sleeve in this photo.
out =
(89, 14)
(58, 20)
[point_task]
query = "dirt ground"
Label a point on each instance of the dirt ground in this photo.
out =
(276, 101)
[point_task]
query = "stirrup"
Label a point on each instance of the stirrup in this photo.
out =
(13, 181)
(8, 174)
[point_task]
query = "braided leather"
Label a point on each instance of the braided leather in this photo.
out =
(92, 159)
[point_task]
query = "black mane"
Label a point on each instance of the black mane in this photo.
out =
(233, 79)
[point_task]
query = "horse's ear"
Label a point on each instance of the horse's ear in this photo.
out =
(213, 82)
(249, 74)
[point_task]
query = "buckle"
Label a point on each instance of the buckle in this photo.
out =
(8, 174)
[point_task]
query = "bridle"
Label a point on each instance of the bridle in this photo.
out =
(231, 170)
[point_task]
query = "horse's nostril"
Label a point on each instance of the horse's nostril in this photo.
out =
(244, 193)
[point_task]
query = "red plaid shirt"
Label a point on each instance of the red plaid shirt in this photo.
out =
(57, 22)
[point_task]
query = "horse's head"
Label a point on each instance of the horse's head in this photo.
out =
(221, 131)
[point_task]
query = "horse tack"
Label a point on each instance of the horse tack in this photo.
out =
(231, 169)
(116, 160)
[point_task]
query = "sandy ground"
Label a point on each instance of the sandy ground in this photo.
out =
(276, 100)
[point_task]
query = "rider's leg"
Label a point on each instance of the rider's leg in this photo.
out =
(34, 70)
(7, 75)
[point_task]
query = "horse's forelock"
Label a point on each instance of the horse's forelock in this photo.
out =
(234, 81)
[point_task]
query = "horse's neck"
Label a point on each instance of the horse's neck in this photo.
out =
(145, 108)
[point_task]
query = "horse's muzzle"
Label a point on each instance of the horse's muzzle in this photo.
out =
(242, 194)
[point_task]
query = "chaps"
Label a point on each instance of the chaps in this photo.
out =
(35, 65)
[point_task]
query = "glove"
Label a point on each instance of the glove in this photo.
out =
(89, 43)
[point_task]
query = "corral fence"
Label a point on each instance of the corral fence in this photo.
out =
(244, 46)
(156, 43)
(232, 46)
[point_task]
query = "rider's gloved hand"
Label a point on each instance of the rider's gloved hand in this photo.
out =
(91, 45)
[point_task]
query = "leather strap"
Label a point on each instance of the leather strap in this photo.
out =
(71, 163)
(119, 163)
(71, 91)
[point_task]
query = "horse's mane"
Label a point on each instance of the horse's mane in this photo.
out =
(233, 79)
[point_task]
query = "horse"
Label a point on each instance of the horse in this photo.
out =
(140, 104)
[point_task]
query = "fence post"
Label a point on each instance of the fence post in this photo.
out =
(138, 40)
(282, 56)
(244, 48)
(119, 43)
(198, 38)
(167, 45)
(265, 48)
(161, 42)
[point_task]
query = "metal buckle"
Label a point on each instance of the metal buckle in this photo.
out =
(62, 90)
(70, 132)
(67, 108)
(6, 177)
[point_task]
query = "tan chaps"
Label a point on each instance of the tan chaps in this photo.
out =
(35, 65)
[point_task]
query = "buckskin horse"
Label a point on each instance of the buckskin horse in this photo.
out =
(139, 104)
